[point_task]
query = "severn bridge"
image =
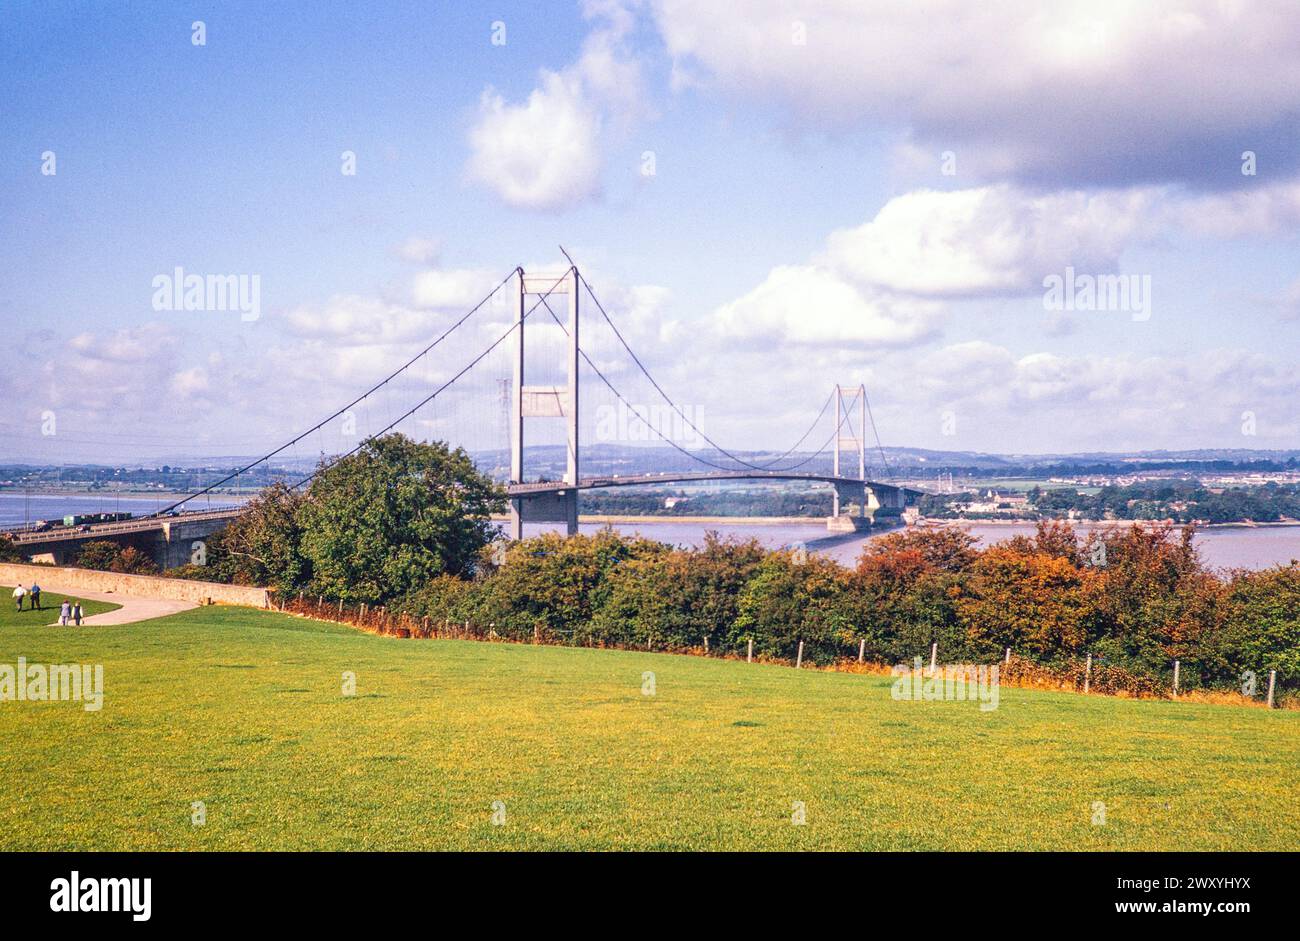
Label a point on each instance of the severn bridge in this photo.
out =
(463, 399)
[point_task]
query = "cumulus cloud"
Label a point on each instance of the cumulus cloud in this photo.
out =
(810, 305)
(544, 153)
(357, 320)
(128, 345)
(1078, 93)
(990, 240)
(456, 289)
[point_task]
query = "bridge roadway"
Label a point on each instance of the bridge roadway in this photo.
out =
(169, 540)
(673, 477)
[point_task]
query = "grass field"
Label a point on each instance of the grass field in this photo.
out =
(243, 710)
(10, 616)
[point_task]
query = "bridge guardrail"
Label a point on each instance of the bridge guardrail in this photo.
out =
(111, 529)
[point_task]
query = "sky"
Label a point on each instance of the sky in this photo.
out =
(769, 198)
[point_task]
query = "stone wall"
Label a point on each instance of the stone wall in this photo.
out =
(141, 586)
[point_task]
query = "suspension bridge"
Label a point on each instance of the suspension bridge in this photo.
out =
(511, 370)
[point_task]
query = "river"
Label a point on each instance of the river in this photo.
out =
(1251, 547)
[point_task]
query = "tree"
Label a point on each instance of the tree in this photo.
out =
(8, 551)
(1033, 602)
(945, 550)
(1146, 578)
(1262, 630)
(262, 546)
(107, 556)
(381, 522)
(557, 584)
(787, 601)
(131, 561)
(100, 554)
(678, 598)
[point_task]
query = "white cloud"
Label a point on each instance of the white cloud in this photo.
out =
(991, 240)
(810, 305)
(455, 289)
(1078, 92)
(128, 345)
(356, 320)
(1263, 208)
(189, 382)
(545, 154)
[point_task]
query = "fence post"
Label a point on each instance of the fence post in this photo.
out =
(340, 607)
(1087, 675)
(1176, 665)
(1008, 660)
(749, 657)
(862, 648)
(1272, 681)
(706, 645)
(934, 654)
(799, 659)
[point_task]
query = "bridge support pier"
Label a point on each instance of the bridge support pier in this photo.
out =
(548, 506)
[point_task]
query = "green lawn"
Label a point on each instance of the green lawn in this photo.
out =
(244, 711)
(10, 616)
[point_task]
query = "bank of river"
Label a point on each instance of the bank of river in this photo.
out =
(1252, 547)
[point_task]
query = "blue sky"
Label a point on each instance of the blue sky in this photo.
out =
(799, 227)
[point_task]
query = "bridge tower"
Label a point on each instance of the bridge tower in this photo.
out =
(546, 402)
(846, 436)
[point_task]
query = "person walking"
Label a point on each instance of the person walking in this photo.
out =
(76, 613)
(36, 596)
(19, 592)
(65, 612)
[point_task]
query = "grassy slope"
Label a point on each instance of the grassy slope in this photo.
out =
(49, 613)
(243, 710)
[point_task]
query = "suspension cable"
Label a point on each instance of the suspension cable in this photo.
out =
(266, 457)
(640, 365)
(695, 457)
(429, 398)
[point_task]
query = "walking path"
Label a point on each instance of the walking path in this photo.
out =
(132, 608)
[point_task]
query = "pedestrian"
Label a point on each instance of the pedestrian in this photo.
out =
(65, 612)
(18, 596)
(76, 613)
(36, 596)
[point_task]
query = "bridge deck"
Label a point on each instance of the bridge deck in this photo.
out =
(144, 524)
(670, 477)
